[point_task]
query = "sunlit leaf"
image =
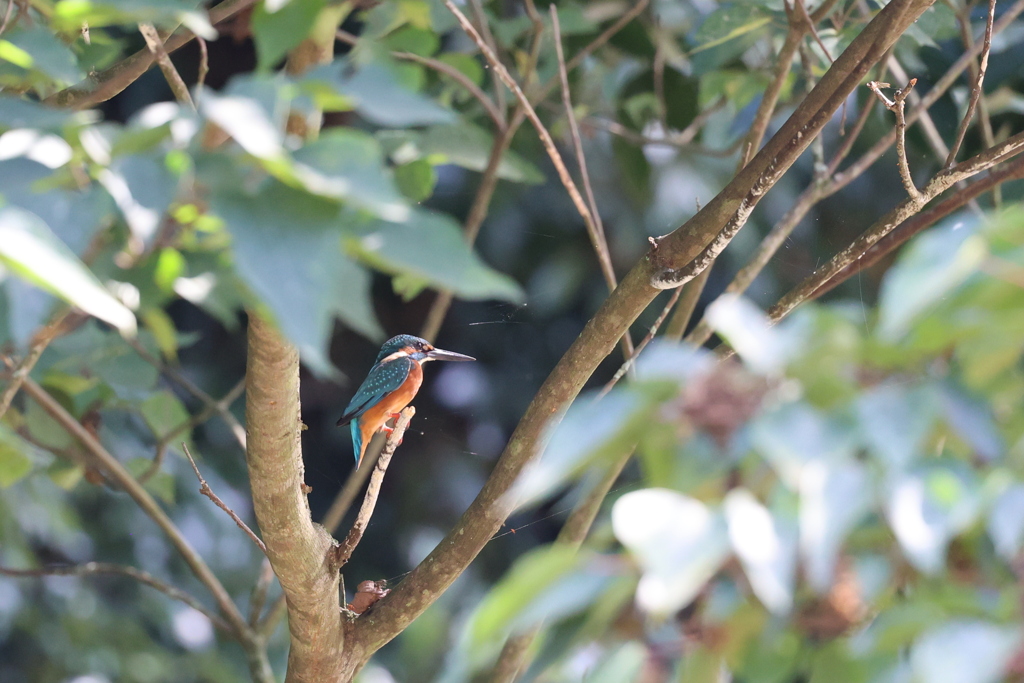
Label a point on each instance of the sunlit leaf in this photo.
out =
(1006, 522)
(835, 496)
(794, 435)
(932, 265)
(747, 330)
(927, 508)
(431, 246)
(30, 248)
(278, 28)
(297, 237)
(729, 21)
(346, 163)
(766, 545)
(679, 542)
(964, 652)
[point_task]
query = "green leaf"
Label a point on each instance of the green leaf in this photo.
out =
(463, 145)
(19, 113)
(728, 22)
(48, 54)
(252, 112)
(70, 15)
(895, 418)
(467, 64)
(766, 546)
(932, 265)
(143, 187)
(276, 32)
(928, 507)
(431, 246)
(30, 249)
(679, 542)
(377, 94)
(589, 431)
(345, 163)
(794, 435)
(1006, 522)
(161, 484)
(16, 459)
(164, 413)
(415, 40)
(287, 248)
(416, 179)
(529, 576)
(964, 652)
(835, 496)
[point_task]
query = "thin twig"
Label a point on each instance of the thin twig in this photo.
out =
(24, 368)
(174, 80)
(106, 84)
(343, 552)
(976, 89)
(812, 29)
(204, 488)
(7, 16)
(598, 238)
(188, 385)
(90, 568)
(897, 105)
(204, 67)
(912, 226)
(446, 69)
(542, 132)
(259, 592)
(116, 471)
(485, 31)
(941, 182)
(208, 411)
(643, 343)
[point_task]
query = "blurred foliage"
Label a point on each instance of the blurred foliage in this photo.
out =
(846, 505)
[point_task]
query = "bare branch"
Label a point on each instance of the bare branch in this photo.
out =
(222, 407)
(204, 67)
(907, 208)
(977, 87)
(341, 553)
(598, 238)
(204, 488)
(171, 75)
(915, 224)
(597, 340)
(896, 105)
(92, 568)
(101, 86)
(259, 593)
(113, 469)
(42, 339)
(643, 343)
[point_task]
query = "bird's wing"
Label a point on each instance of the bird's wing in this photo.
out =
(382, 380)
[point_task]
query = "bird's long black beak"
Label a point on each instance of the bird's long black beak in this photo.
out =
(441, 354)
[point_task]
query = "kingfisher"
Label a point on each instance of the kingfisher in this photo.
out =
(389, 387)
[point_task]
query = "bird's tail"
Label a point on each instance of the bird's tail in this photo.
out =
(357, 442)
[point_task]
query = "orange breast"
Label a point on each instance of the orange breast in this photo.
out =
(374, 418)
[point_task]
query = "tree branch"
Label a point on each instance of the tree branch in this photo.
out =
(204, 488)
(897, 105)
(342, 553)
(915, 224)
(171, 75)
(101, 86)
(24, 368)
(907, 208)
(977, 87)
(486, 514)
(117, 473)
(92, 568)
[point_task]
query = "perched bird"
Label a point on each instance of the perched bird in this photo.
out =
(390, 386)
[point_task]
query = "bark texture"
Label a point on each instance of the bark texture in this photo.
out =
(298, 549)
